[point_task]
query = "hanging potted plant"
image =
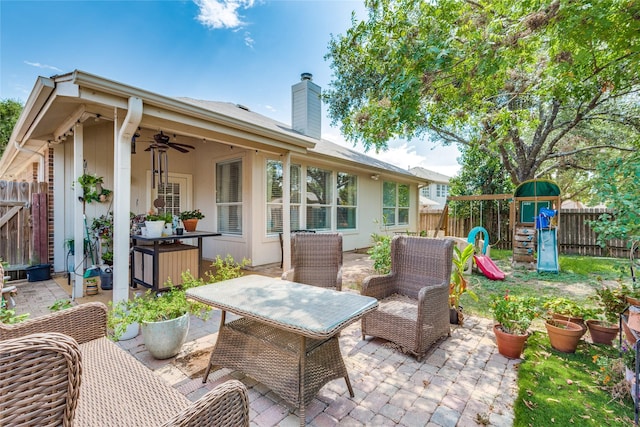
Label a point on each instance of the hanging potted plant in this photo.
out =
(92, 190)
(513, 316)
(459, 284)
(190, 219)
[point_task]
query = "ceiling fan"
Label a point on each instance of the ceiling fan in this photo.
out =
(160, 140)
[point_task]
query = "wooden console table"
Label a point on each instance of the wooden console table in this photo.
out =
(151, 265)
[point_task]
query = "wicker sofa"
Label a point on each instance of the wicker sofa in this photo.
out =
(414, 297)
(61, 369)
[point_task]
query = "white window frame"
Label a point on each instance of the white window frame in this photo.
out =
(239, 203)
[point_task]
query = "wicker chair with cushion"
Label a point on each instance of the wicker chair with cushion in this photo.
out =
(44, 360)
(316, 259)
(414, 296)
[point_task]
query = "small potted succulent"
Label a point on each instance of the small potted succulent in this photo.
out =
(190, 219)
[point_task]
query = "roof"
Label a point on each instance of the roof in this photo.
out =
(58, 102)
(322, 147)
(537, 187)
(330, 149)
(430, 175)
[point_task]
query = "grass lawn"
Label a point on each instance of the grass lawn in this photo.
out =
(557, 388)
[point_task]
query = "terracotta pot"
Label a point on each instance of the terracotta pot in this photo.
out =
(576, 320)
(633, 301)
(509, 345)
(190, 224)
(601, 334)
(563, 335)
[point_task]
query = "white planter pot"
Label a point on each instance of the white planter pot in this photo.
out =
(154, 228)
(164, 339)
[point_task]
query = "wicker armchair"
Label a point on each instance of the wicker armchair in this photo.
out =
(61, 369)
(414, 297)
(316, 259)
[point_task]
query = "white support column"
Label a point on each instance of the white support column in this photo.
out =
(286, 212)
(123, 131)
(78, 214)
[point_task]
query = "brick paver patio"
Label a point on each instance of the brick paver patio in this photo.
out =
(462, 382)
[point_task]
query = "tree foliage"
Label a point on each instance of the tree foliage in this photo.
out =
(10, 110)
(618, 184)
(536, 83)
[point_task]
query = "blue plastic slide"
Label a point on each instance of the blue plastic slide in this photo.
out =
(548, 250)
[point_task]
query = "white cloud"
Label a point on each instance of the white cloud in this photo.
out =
(44, 66)
(218, 14)
(248, 40)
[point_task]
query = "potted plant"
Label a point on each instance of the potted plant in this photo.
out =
(155, 223)
(102, 227)
(92, 189)
(564, 335)
(190, 219)
(459, 284)
(605, 327)
(513, 316)
(164, 318)
(565, 309)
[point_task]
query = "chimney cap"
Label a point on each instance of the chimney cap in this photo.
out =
(306, 76)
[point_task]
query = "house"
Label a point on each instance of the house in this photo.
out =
(434, 194)
(252, 177)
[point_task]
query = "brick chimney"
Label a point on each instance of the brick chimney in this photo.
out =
(306, 105)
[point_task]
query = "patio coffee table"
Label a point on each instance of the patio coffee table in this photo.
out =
(288, 336)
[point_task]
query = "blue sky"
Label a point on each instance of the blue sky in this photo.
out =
(244, 51)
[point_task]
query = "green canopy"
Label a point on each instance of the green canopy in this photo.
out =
(537, 188)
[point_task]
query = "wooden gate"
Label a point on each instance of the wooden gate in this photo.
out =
(23, 223)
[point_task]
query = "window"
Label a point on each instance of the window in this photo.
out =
(347, 201)
(442, 190)
(318, 199)
(395, 203)
(229, 196)
(274, 196)
(425, 192)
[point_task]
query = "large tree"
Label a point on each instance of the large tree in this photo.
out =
(10, 110)
(521, 80)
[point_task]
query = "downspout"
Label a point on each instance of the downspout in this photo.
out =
(122, 197)
(40, 164)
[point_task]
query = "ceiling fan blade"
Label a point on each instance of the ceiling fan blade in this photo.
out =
(183, 145)
(180, 149)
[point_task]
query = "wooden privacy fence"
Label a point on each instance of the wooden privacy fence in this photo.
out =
(575, 236)
(23, 223)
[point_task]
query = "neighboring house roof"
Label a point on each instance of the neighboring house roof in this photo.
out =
(425, 201)
(430, 175)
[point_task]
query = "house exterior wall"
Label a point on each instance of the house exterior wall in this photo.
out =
(254, 244)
